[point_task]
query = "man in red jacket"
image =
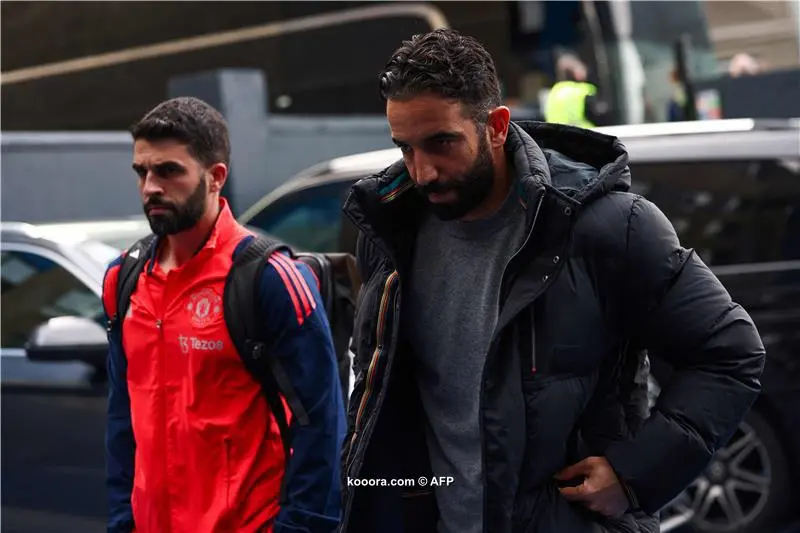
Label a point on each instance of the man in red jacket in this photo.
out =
(192, 445)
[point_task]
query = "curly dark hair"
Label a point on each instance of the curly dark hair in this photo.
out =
(190, 121)
(446, 63)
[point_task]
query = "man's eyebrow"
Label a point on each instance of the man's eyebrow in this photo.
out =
(160, 168)
(444, 136)
(438, 136)
(168, 166)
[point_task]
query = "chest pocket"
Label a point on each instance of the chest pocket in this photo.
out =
(572, 337)
(543, 361)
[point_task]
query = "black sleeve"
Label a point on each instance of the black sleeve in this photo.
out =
(688, 318)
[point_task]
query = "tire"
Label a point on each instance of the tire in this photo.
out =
(753, 468)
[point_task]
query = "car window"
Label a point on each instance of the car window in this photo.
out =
(36, 289)
(731, 212)
(309, 220)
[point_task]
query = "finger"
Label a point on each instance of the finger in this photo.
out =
(578, 469)
(578, 493)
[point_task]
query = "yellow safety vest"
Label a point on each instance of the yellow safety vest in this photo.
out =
(566, 103)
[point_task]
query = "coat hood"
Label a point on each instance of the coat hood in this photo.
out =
(580, 163)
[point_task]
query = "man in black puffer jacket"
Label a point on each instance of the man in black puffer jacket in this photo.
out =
(511, 288)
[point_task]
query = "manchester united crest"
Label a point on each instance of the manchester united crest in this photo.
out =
(203, 307)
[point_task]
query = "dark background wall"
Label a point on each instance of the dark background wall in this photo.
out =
(331, 70)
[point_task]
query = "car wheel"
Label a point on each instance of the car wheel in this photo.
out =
(744, 489)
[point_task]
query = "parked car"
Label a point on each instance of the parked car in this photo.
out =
(119, 233)
(52, 411)
(732, 191)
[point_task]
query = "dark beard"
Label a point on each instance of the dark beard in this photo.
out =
(179, 218)
(471, 189)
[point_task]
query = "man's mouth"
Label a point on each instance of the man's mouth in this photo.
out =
(439, 197)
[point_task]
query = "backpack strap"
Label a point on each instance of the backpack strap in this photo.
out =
(321, 267)
(243, 316)
(132, 266)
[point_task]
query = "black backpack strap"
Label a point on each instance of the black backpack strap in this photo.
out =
(132, 265)
(321, 267)
(243, 312)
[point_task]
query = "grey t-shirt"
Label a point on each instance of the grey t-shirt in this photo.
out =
(449, 315)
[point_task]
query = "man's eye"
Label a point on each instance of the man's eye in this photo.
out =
(405, 149)
(441, 145)
(167, 171)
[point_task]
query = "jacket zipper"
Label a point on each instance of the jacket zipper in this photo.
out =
(163, 371)
(491, 349)
(369, 385)
(379, 350)
(227, 444)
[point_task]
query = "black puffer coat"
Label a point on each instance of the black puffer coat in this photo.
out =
(601, 277)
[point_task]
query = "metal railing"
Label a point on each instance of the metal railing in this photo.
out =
(429, 13)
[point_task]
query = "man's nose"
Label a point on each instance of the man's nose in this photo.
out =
(151, 185)
(425, 171)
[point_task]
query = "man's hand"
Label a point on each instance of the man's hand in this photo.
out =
(601, 490)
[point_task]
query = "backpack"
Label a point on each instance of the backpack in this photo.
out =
(338, 279)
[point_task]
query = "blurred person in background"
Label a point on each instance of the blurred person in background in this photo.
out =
(573, 99)
(511, 288)
(192, 444)
(676, 107)
(740, 65)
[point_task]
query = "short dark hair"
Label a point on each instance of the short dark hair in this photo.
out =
(191, 121)
(446, 63)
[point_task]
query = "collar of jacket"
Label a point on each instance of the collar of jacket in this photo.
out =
(574, 165)
(225, 228)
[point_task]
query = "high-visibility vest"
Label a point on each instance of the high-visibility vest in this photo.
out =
(566, 103)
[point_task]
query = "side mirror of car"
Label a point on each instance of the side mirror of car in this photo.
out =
(69, 338)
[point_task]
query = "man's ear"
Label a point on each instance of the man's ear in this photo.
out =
(498, 122)
(219, 175)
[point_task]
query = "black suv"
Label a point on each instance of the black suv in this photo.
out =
(732, 191)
